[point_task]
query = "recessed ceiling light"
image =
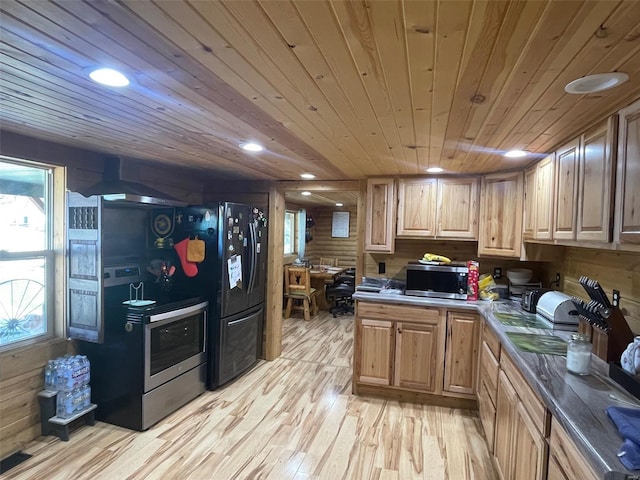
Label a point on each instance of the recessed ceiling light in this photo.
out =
(307, 176)
(306, 194)
(596, 82)
(339, 204)
(109, 77)
(251, 147)
(516, 154)
(435, 170)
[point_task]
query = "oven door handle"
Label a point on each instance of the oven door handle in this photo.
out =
(177, 314)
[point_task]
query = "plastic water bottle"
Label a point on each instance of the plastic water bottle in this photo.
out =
(64, 404)
(60, 375)
(49, 375)
(86, 369)
(87, 396)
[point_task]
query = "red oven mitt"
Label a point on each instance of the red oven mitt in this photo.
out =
(190, 268)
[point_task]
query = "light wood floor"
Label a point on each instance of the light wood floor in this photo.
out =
(294, 418)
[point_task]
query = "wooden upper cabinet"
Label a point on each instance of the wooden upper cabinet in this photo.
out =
(462, 353)
(380, 215)
(457, 212)
(443, 207)
(417, 207)
(501, 199)
(566, 191)
(595, 183)
(544, 197)
(627, 223)
(529, 214)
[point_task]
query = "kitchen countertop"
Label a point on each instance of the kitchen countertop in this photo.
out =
(578, 403)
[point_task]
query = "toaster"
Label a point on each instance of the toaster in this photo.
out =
(530, 297)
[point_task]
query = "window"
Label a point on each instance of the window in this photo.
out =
(26, 252)
(289, 232)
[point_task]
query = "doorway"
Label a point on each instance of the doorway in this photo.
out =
(322, 197)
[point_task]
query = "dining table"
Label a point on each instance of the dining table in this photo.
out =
(322, 275)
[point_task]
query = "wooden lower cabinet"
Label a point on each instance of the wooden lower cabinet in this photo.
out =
(565, 460)
(506, 403)
(418, 358)
(555, 472)
(401, 350)
(488, 383)
(462, 348)
(487, 412)
(529, 448)
(376, 350)
(520, 447)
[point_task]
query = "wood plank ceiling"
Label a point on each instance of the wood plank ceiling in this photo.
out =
(340, 89)
(321, 198)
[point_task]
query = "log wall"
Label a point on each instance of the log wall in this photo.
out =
(324, 245)
(22, 377)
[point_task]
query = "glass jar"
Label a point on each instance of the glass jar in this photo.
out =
(579, 354)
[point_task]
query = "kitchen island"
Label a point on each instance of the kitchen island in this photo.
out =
(544, 396)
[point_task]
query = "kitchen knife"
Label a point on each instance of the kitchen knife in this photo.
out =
(603, 296)
(588, 314)
(589, 286)
(594, 307)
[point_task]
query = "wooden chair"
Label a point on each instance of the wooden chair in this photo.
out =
(329, 262)
(298, 291)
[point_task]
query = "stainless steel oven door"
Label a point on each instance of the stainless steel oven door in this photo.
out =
(174, 342)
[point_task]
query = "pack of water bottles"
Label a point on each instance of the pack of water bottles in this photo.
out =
(70, 376)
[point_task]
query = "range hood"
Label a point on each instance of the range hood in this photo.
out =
(112, 188)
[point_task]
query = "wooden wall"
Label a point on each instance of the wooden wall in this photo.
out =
(614, 270)
(22, 377)
(324, 245)
(411, 250)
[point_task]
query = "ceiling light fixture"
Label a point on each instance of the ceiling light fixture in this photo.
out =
(434, 170)
(251, 147)
(339, 204)
(596, 82)
(307, 176)
(109, 77)
(516, 154)
(306, 194)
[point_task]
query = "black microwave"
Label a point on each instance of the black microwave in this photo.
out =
(440, 281)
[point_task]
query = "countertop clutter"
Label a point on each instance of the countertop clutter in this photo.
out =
(577, 403)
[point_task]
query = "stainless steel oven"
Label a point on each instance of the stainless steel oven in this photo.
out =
(153, 358)
(174, 342)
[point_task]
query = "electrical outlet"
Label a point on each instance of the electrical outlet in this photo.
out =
(616, 298)
(382, 267)
(497, 273)
(557, 282)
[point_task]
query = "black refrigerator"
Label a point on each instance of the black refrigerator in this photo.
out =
(231, 276)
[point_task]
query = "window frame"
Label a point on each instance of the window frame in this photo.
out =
(52, 254)
(293, 233)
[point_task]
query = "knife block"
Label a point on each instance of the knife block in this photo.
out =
(609, 345)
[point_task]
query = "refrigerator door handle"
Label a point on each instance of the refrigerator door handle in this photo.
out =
(252, 275)
(255, 257)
